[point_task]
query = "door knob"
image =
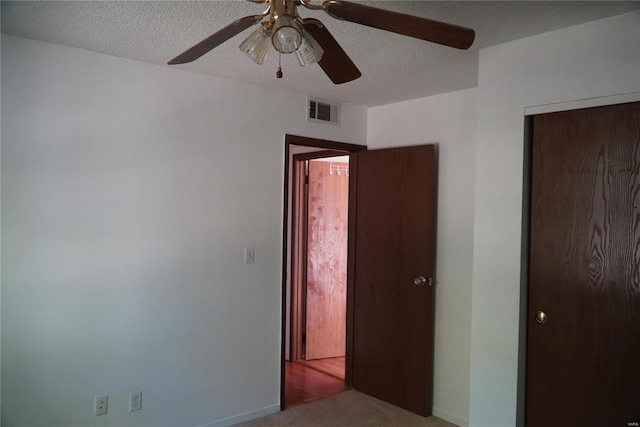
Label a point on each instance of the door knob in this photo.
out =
(421, 281)
(541, 317)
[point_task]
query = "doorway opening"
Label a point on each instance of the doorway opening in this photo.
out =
(315, 353)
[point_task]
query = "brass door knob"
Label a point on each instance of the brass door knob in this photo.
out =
(421, 281)
(541, 317)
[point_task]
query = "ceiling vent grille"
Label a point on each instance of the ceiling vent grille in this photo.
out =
(322, 111)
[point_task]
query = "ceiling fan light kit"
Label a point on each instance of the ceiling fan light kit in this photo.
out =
(310, 40)
(286, 37)
(309, 51)
(257, 45)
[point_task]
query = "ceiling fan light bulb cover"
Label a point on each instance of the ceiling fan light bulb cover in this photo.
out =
(309, 51)
(286, 37)
(257, 45)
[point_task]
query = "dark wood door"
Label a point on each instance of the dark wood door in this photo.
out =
(326, 293)
(394, 245)
(583, 363)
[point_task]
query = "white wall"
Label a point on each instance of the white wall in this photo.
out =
(591, 60)
(450, 121)
(128, 194)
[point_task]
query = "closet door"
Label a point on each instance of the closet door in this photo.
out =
(583, 348)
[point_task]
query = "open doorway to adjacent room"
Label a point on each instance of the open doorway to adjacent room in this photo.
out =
(316, 285)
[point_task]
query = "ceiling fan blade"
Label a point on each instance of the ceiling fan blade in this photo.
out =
(408, 25)
(216, 39)
(334, 62)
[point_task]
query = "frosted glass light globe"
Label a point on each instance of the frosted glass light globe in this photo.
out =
(286, 37)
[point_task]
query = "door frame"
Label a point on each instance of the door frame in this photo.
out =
(524, 271)
(350, 149)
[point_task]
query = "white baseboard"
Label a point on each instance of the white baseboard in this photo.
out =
(247, 416)
(452, 418)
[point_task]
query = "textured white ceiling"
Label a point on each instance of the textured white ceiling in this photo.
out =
(394, 68)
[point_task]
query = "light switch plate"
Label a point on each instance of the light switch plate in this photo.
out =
(249, 253)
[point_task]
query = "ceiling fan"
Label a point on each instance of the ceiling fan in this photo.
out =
(310, 40)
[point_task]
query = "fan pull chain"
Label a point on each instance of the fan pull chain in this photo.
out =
(279, 72)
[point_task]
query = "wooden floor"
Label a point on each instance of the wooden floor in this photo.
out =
(305, 382)
(333, 366)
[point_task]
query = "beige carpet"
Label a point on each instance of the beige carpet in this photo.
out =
(350, 408)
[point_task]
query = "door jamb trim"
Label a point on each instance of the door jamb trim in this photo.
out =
(350, 149)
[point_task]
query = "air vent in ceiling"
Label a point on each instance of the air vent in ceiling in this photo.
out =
(322, 111)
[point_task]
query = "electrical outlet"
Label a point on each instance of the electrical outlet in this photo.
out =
(101, 405)
(249, 255)
(135, 401)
